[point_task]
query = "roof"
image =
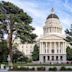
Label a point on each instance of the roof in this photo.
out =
(52, 16)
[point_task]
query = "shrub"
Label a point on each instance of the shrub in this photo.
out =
(69, 69)
(32, 69)
(22, 69)
(53, 69)
(65, 69)
(41, 68)
(62, 68)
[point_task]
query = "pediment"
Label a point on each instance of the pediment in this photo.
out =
(52, 37)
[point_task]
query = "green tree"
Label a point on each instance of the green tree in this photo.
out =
(35, 53)
(69, 53)
(69, 35)
(69, 40)
(3, 51)
(19, 57)
(14, 21)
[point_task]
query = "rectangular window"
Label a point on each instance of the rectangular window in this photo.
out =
(61, 57)
(44, 44)
(48, 57)
(52, 57)
(56, 57)
(44, 58)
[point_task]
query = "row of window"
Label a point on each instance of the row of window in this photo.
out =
(53, 51)
(53, 58)
(48, 45)
(52, 29)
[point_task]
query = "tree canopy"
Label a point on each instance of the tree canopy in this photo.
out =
(69, 53)
(19, 22)
(69, 40)
(69, 35)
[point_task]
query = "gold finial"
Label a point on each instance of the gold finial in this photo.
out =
(52, 11)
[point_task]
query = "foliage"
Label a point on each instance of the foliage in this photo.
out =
(19, 22)
(62, 68)
(69, 53)
(35, 53)
(65, 69)
(53, 69)
(69, 35)
(19, 57)
(69, 40)
(41, 68)
(14, 21)
(3, 51)
(22, 69)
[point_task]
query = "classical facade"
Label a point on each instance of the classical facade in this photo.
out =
(52, 44)
(26, 48)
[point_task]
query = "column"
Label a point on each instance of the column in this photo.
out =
(46, 47)
(54, 47)
(55, 50)
(50, 48)
(62, 48)
(59, 47)
(59, 51)
(46, 51)
(50, 51)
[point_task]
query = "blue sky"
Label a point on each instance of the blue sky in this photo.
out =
(40, 9)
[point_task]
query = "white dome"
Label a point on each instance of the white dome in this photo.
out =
(52, 25)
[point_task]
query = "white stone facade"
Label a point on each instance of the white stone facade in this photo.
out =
(52, 44)
(26, 48)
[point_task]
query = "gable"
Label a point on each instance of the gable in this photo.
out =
(52, 37)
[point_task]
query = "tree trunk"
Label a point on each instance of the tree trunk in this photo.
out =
(10, 46)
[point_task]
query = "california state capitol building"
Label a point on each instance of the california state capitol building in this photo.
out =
(52, 46)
